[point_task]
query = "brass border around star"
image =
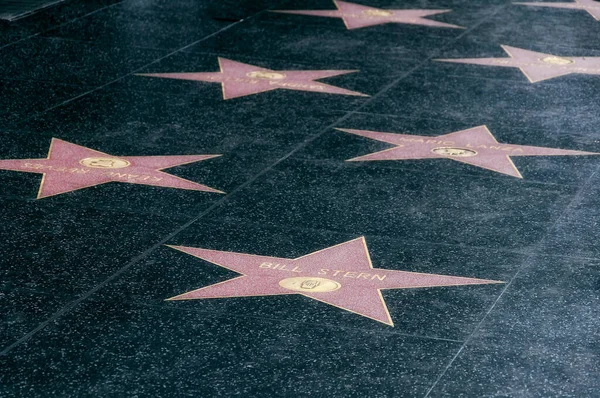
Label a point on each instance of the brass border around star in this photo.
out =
(238, 79)
(359, 16)
(341, 275)
(70, 167)
(536, 66)
(591, 6)
(475, 146)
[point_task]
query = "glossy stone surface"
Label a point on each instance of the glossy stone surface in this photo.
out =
(86, 274)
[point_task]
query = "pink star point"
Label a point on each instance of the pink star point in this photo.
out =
(537, 66)
(340, 275)
(70, 167)
(238, 79)
(475, 146)
(358, 16)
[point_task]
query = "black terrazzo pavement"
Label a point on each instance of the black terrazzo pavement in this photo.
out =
(85, 274)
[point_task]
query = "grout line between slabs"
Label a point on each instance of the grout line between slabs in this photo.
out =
(131, 72)
(59, 25)
(170, 53)
(534, 253)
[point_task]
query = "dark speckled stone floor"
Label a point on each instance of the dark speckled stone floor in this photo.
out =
(489, 173)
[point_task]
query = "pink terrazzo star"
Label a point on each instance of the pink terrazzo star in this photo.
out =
(70, 167)
(239, 79)
(358, 16)
(591, 6)
(475, 146)
(537, 66)
(341, 275)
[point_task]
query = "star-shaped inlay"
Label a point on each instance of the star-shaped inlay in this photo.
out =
(358, 16)
(537, 66)
(591, 6)
(239, 79)
(475, 146)
(340, 275)
(70, 167)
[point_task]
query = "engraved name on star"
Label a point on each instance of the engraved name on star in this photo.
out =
(475, 146)
(238, 79)
(70, 167)
(537, 66)
(340, 275)
(591, 6)
(358, 16)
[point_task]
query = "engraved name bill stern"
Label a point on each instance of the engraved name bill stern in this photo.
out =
(340, 275)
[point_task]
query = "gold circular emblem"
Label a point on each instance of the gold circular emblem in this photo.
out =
(104, 163)
(553, 60)
(454, 152)
(378, 13)
(309, 284)
(265, 75)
